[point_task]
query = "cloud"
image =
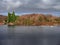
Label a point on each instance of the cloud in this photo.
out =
(57, 7)
(29, 5)
(11, 4)
(46, 4)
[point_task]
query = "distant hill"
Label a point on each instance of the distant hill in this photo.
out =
(2, 18)
(34, 19)
(38, 19)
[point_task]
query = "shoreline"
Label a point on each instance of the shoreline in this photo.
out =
(31, 20)
(31, 25)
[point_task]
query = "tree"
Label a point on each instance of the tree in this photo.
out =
(11, 17)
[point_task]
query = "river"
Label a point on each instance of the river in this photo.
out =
(29, 35)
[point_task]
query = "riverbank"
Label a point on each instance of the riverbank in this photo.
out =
(12, 24)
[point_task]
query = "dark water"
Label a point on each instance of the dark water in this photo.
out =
(29, 35)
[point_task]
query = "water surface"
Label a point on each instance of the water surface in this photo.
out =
(29, 35)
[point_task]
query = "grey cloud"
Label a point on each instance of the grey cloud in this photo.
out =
(29, 5)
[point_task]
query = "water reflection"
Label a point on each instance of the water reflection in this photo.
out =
(29, 35)
(11, 32)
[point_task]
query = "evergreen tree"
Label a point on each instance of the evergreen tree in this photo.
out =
(9, 17)
(13, 16)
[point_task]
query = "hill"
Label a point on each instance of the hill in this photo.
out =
(33, 20)
(3, 19)
(37, 19)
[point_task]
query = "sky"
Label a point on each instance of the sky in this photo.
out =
(30, 6)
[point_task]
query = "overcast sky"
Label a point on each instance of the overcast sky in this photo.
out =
(30, 6)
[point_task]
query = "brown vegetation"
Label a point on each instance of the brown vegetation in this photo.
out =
(34, 20)
(2, 19)
(38, 19)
